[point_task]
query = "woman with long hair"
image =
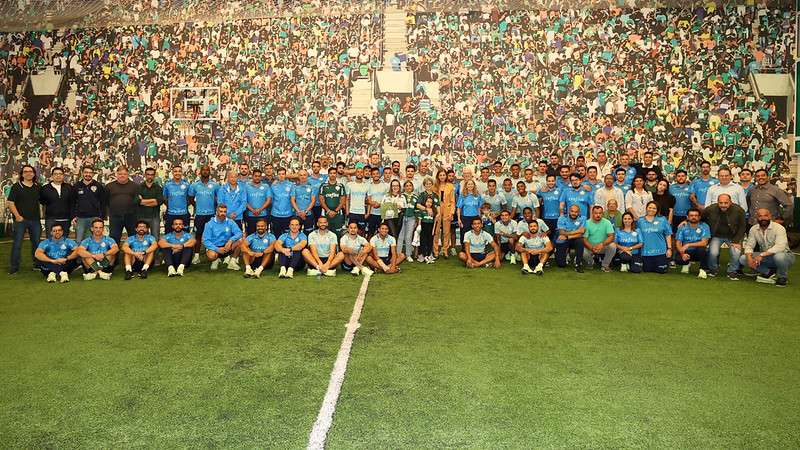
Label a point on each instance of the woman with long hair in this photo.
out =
(444, 217)
(664, 199)
(469, 207)
(392, 206)
(656, 234)
(629, 245)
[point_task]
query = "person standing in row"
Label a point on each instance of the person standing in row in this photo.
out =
(23, 202)
(89, 203)
(151, 197)
(176, 197)
(56, 197)
(122, 203)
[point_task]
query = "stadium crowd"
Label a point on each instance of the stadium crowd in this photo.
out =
(370, 218)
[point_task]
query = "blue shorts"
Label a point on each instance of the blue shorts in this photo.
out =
(478, 256)
(387, 260)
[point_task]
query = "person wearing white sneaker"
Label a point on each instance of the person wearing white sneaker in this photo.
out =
(355, 249)
(177, 247)
(320, 254)
(289, 248)
(221, 238)
(629, 244)
(691, 242)
(475, 243)
(505, 232)
(203, 195)
(775, 255)
(534, 246)
(598, 239)
(138, 251)
(57, 255)
(98, 252)
(384, 256)
(258, 250)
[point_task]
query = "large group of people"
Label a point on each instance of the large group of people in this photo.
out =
(370, 217)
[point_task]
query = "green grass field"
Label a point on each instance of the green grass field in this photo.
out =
(445, 357)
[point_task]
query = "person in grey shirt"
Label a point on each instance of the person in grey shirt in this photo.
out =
(774, 253)
(770, 197)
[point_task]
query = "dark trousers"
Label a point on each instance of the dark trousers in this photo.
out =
(279, 225)
(295, 261)
(175, 259)
(119, 221)
(309, 224)
(200, 226)
(552, 224)
(47, 267)
(696, 254)
(65, 223)
(34, 229)
(563, 248)
(676, 220)
(425, 239)
(373, 222)
(168, 218)
(657, 264)
(394, 226)
(634, 262)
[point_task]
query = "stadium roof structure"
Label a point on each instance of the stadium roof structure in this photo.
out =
(30, 15)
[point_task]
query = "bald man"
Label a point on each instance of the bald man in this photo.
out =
(728, 225)
(775, 258)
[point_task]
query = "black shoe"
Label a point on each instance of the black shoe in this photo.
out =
(143, 274)
(781, 282)
(128, 275)
(733, 276)
(579, 269)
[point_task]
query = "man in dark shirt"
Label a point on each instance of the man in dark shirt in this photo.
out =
(89, 202)
(123, 201)
(23, 201)
(728, 226)
(56, 197)
(151, 197)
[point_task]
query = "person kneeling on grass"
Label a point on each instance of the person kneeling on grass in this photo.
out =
(98, 253)
(177, 247)
(258, 250)
(598, 239)
(535, 246)
(58, 256)
(321, 255)
(139, 250)
(775, 256)
(629, 243)
(691, 241)
(356, 249)
(506, 236)
(475, 242)
(384, 257)
(570, 236)
(221, 238)
(289, 248)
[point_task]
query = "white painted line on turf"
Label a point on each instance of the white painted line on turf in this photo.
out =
(316, 439)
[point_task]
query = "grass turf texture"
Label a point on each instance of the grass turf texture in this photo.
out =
(485, 359)
(445, 357)
(210, 360)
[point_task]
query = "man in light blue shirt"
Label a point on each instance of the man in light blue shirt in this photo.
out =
(203, 195)
(259, 197)
(258, 249)
(234, 197)
(357, 192)
(176, 197)
(375, 192)
(474, 253)
(575, 194)
(681, 190)
(691, 242)
(221, 239)
(98, 253)
(282, 210)
(139, 250)
(570, 236)
(384, 256)
(701, 184)
(320, 254)
(304, 201)
(57, 256)
(177, 248)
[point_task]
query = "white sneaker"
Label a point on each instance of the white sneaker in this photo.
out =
(513, 259)
(290, 273)
(366, 271)
(171, 271)
(215, 264)
(313, 272)
(453, 252)
(180, 270)
(539, 269)
(227, 260)
(196, 259)
(89, 276)
(257, 272)
(526, 269)
(430, 260)
(233, 264)
(702, 274)
(248, 271)
(330, 273)
(765, 280)
(104, 275)
(355, 271)
(64, 277)
(421, 259)
(685, 269)
(623, 268)
(51, 278)
(282, 273)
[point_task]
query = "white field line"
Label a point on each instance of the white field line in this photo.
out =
(316, 439)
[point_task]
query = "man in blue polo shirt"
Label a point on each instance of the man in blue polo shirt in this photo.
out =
(304, 201)
(139, 250)
(259, 197)
(570, 236)
(476, 240)
(620, 181)
(234, 197)
(281, 203)
(57, 256)
(258, 250)
(630, 171)
(176, 197)
(221, 239)
(701, 184)
(203, 195)
(177, 248)
(98, 253)
(575, 194)
(316, 179)
(384, 256)
(682, 191)
(691, 242)
(320, 254)
(550, 196)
